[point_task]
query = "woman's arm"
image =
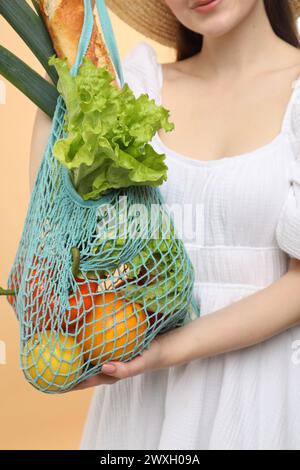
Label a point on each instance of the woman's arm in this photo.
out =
(40, 135)
(39, 139)
(244, 323)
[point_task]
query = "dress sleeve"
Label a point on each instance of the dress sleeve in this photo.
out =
(288, 228)
(141, 70)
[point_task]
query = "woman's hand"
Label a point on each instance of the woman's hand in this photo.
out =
(100, 379)
(151, 358)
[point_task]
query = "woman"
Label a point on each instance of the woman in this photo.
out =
(229, 379)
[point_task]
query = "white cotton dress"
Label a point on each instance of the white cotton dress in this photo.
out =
(248, 399)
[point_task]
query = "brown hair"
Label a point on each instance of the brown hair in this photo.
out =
(279, 13)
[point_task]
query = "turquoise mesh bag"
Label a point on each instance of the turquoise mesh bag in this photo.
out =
(96, 280)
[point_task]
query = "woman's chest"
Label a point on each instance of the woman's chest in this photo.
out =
(236, 202)
(228, 118)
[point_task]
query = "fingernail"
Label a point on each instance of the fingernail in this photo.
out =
(109, 368)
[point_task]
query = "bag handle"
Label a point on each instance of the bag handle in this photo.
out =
(108, 33)
(85, 37)
(109, 38)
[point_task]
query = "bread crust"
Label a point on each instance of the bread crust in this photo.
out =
(64, 20)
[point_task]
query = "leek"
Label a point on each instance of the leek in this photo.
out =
(29, 82)
(31, 28)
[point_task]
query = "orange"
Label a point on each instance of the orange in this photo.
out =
(113, 330)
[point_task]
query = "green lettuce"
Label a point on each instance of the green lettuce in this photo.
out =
(107, 131)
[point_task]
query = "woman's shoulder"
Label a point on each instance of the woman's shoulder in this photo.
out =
(139, 52)
(141, 70)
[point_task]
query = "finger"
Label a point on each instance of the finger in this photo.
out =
(100, 379)
(148, 360)
(123, 370)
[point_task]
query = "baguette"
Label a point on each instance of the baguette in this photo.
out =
(64, 21)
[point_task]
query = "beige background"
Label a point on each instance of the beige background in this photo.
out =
(30, 419)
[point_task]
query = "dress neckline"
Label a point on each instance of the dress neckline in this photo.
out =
(266, 148)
